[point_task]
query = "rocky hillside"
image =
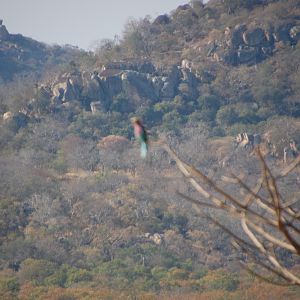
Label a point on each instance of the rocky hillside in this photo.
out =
(230, 65)
(19, 54)
(82, 215)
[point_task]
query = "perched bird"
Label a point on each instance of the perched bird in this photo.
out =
(141, 135)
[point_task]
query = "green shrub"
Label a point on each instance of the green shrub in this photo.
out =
(60, 164)
(77, 275)
(36, 270)
(59, 277)
(172, 120)
(9, 285)
(177, 273)
(158, 272)
(209, 102)
(220, 280)
(66, 276)
(226, 116)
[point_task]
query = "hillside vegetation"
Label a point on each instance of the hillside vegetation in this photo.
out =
(82, 216)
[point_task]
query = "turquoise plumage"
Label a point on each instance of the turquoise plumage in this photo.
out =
(141, 136)
(144, 149)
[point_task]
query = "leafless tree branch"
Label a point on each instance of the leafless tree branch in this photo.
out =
(266, 225)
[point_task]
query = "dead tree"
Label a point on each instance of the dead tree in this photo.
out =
(268, 223)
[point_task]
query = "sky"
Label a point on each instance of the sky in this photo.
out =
(77, 22)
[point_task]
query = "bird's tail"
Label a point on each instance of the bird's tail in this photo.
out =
(144, 149)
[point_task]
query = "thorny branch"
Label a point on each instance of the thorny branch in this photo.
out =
(265, 229)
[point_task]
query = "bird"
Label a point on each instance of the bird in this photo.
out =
(141, 135)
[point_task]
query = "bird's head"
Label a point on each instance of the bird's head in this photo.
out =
(135, 120)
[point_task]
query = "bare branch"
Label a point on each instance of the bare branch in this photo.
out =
(289, 204)
(271, 238)
(270, 257)
(263, 278)
(289, 168)
(270, 220)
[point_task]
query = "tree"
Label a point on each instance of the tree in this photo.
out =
(226, 115)
(80, 153)
(16, 94)
(232, 5)
(270, 225)
(108, 49)
(137, 38)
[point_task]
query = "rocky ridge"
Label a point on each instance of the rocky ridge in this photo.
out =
(95, 91)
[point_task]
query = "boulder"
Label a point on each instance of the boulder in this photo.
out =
(4, 35)
(137, 84)
(168, 90)
(254, 37)
(267, 51)
(245, 140)
(183, 7)
(189, 77)
(76, 81)
(112, 85)
(7, 116)
(247, 55)
(171, 83)
(93, 89)
(96, 106)
(295, 33)
(186, 64)
(162, 20)
(146, 67)
(15, 121)
(269, 39)
(157, 83)
(157, 238)
(65, 91)
(20, 119)
(58, 89)
(282, 33)
(212, 47)
(70, 92)
(267, 46)
(230, 57)
(287, 155)
(191, 81)
(236, 36)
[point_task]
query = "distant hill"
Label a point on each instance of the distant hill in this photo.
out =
(20, 54)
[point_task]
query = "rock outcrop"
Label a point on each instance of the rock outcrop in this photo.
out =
(236, 36)
(96, 106)
(245, 140)
(171, 83)
(99, 90)
(4, 34)
(254, 37)
(295, 33)
(137, 86)
(15, 121)
(250, 43)
(282, 33)
(162, 20)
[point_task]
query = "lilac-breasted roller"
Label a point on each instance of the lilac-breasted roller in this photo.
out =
(141, 135)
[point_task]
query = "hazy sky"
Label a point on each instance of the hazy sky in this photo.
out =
(77, 22)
